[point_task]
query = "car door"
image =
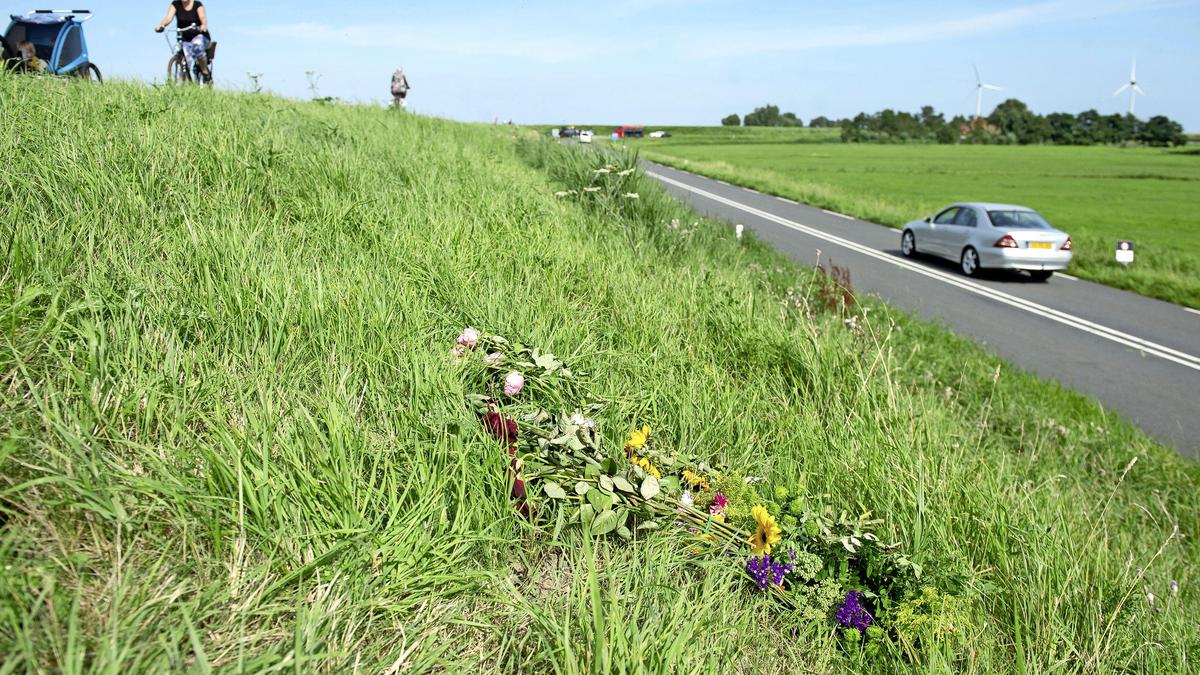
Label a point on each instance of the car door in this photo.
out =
(936, 237)
(956, 235)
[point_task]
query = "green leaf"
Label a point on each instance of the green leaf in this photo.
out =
(606, 483)
(581, 488)
(670, 485)
(586, 514)
(604, 523)
(648, 525)
(553, 490)
(650, 487)
(591, 471)
(624, 533)
(623, 485)
(599, 500)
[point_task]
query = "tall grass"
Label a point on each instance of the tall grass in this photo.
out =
(231, 438)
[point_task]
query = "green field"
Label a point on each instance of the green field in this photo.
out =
(1097, 194)
(233, 436)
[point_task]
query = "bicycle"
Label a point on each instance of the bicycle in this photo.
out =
(177, 69)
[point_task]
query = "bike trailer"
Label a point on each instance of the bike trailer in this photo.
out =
(57, 38)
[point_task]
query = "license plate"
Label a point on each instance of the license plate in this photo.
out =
(1040, 244)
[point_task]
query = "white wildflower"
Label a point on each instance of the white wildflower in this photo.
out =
(631, 195)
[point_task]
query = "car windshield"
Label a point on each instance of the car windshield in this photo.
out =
(1024, 220)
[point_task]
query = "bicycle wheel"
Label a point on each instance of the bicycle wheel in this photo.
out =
(88, 71)
(177, 70)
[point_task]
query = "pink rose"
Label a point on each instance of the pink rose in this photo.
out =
(469, 337)
(513, 383)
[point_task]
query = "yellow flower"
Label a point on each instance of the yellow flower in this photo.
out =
(646, 465)
(638, 438)
(767, 534)
(694, 480)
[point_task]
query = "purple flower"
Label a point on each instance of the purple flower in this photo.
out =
(766, 572)
(1174, 586)
(719, 502)
(852, 614)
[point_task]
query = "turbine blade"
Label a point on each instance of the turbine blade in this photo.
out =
(1133, 72)
(1139, 90)
(978, 80)
(993, 87)
(1123, 88)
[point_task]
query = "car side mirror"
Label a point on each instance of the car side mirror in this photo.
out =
(929, 219)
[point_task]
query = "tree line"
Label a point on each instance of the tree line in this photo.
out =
(1012, 122)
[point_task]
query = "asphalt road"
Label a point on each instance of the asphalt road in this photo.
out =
(1136, 355)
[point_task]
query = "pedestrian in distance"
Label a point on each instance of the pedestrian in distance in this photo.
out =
(400, 88)
(190, 15)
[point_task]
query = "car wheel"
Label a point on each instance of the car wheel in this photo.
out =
(1041, 275)
(908, 244)
(969, 262)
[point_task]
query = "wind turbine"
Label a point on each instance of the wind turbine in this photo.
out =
(979, 87)
(1132, 86)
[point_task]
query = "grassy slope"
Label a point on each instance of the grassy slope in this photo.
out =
(230, 434)
(1098, 194)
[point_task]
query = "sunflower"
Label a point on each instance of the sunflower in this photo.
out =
(767, 534)
(638, 439)
(694, 480)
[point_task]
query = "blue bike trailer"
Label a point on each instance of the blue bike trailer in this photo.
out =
(57, 37)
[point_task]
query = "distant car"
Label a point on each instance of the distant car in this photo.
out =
(585, 136)
(628, 131)
(568, 132)
(990, 236)
(660, 134)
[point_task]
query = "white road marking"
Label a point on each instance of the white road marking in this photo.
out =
(1132, 341)
(1193, 311)
(1066, 276)
(835, 213)
(785, 200)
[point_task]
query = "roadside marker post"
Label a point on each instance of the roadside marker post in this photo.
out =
(1125, 252)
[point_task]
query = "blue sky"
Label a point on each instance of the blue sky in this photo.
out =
(687, 61)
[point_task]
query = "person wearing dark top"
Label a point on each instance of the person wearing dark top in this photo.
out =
(190, 15)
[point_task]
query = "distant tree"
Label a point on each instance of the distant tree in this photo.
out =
(1117, 128)
(1160, 131)
(731, 121)
(765, 116)
(1014, 118)
(769, 116)
(821, 122)
(788, 119)
(1064, 129)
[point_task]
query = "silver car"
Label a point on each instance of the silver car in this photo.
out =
(996, 236)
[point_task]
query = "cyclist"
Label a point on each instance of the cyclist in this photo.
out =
(399, 88)
(190, 15)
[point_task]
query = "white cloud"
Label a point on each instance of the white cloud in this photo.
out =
(743, 42)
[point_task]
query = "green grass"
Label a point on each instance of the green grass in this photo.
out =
(1097, 194)
(231, 438)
